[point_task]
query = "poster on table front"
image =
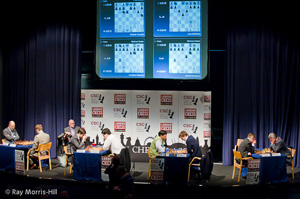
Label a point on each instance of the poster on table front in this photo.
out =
(138, 115)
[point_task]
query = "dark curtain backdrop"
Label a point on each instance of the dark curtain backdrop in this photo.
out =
(262, 78)
(41, 78)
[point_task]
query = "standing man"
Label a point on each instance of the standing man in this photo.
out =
(40, 138)
(157, 146)
(71, 130)
(192, 145)
(279, 146)
(10, 134)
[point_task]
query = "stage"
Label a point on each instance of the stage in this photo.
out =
(221, 184)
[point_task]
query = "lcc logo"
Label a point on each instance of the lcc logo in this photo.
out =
(97, 112)
(166, 99)
(119, 98)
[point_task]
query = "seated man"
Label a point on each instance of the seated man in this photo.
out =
(157, 146)
(40, 138)
(192, 145)
(279, 146)
(114, 145)
(112, 142)
(247, 147)
(126, 188)
(10, 134)
(77, 142)
(71, 130)
(63, 140)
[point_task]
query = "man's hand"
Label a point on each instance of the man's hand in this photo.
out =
(84, 138)
(116, 188)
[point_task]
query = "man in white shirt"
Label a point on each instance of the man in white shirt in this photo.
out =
(112, 142)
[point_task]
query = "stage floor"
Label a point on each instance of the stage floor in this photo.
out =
(221, 175)
(219, 186)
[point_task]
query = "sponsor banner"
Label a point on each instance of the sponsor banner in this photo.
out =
(120, 126)
(190, 113)
(166, 127)
(138, 115)
(97, 112)
(253, 171)
(142, 113)
(19, 162)
(120, 99)
(166, 99)
(157, 170)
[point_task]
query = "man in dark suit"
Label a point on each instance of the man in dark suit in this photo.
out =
(10, 134)
(192, 145)
(279, 146)
(77, 142)
(71, 130)
(246, 147)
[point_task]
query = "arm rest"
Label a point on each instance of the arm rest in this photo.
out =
(249, 158)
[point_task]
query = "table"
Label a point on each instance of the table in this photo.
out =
(87, 166)
(176, 168)
(7, 156)
(272, 169)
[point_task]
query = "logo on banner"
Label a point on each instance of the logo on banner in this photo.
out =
(82, 96)
(190, 127)
(207, 108)
(206, 116)
(120, 126)
(82, 105)
(97, 112)
(206, 134)
(82, 113)
(97, 98)
(190, 100)
(82, 122)
(119, 98)
(166, 127)
(207, 98)
(142, 113)
(106, 161)
(166, 114)
(142, 99)
(142, 127)
(119, 112)
(190, 113)
(166, 99)
(96, 126)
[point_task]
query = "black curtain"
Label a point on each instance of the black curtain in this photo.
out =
(41, 72)
(262, 78)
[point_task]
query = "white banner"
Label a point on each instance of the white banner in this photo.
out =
(138, 115)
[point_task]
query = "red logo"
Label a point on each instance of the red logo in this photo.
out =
(82, 96)
(166, 127)
(120, 98)
(120, 126)
(166, 99)
(106, 161)
(97, 112)
(206, 134)
(82, 113)
(190, 113)
(206, 116)
(142, 113)
(207, 98)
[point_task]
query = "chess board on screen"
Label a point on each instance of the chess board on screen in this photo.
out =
(159, 39)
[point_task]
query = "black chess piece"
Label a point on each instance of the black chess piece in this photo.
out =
(125, 114)
(148, 129)
(148, 100)
(195, 130)
(195, 103)
(171, 116)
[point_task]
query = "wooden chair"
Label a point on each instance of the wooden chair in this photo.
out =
(41, 148)
(71, 165)
(194, 165)
(149, 167)
(237, 155)
(292, 160)
(238, 142)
